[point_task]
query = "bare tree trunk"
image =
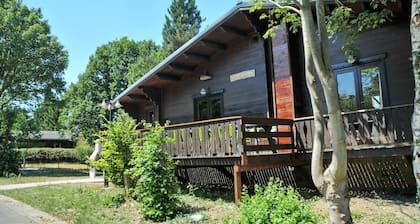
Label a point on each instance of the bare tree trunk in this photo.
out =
(415, 43)
(333, 183)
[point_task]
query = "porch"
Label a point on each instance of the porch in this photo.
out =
(379, 148)
(233, 137)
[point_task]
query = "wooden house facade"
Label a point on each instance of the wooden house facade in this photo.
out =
(238, 103)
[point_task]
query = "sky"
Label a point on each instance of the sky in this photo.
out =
(83, 25)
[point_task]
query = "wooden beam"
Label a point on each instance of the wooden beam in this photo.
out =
(169, 77)
(233, 30)
(186, 68)
(137, 97)
(268, 147)
(199, 57)
(237, 183)
(213, 44)
(153, 94)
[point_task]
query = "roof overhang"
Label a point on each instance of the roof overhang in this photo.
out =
(191, 58)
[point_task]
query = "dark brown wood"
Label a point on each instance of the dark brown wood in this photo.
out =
(385, 126)
(391, 40)
(268, 147)
(241, 55)
(267, 135)
(237, 183)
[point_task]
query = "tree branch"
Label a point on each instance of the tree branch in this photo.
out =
(288, 7)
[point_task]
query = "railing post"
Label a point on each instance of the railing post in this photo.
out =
(237, 183)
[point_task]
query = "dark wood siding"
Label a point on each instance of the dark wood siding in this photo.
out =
(243, 97)
(392, 40)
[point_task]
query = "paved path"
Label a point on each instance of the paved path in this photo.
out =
(15, 212)
(28, 185)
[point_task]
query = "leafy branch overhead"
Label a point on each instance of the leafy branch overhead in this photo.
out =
(343, 22)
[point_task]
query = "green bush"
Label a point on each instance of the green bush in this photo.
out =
(9, 160)
(274, 204)
(83, 151)
(157, 186)
(48, 154)
(116, 140)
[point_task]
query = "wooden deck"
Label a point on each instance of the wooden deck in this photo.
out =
(236, 145)
(363, 128)
(229, 137)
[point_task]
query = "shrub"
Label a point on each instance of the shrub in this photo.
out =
(48, 154)
(9, 160)
(157, 186)
(116, 141)
(274, 204)
(83, 151)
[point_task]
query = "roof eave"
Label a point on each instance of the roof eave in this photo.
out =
(238, 8)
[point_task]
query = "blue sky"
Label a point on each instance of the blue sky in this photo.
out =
(83, 25)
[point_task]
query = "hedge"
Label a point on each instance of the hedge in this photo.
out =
(48, 154)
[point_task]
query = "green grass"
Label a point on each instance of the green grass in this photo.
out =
(79, 203)
(91, 203)
(41, 172)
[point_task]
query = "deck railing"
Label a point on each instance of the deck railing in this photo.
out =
(229, 136)
(389, 125)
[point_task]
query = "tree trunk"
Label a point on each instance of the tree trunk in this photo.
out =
(333, 183)
(415, 43)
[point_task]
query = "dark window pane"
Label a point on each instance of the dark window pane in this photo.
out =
(347, 91)
(216, 108)
(203, 110)
(150, 116)
(372, 97)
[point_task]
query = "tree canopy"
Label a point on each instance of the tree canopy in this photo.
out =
(104, 78)
(32, 60)
(181, 24)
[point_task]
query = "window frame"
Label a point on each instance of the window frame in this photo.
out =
(356, 69)
(208, 98)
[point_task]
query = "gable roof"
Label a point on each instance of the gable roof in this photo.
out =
(232, 23)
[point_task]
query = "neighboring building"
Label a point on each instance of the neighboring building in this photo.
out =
(50, 139)
(230, 70)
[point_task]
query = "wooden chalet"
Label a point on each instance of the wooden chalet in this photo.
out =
(239, 108)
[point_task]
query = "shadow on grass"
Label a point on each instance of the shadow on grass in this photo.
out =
(54, 172)
(213, 193)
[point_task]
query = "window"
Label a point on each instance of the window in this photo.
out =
(360, 87)
(208, 107)
(150, 116)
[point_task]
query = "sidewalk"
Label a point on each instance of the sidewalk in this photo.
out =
(28, 185)
(15, 212)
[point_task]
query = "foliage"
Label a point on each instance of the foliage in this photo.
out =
(9, 160)
(47, 114)
(157, 186)
(104, 78)
(181, 24)
(145, 63)
(48, 154)
(344, 24)
(274, 204)
(32, 60)
(83, 151)
(31, 65)
(117, 141)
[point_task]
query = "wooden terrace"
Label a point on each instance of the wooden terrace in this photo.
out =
(251, 143)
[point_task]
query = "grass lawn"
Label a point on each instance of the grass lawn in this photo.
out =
(40, 172)
(91, 203)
